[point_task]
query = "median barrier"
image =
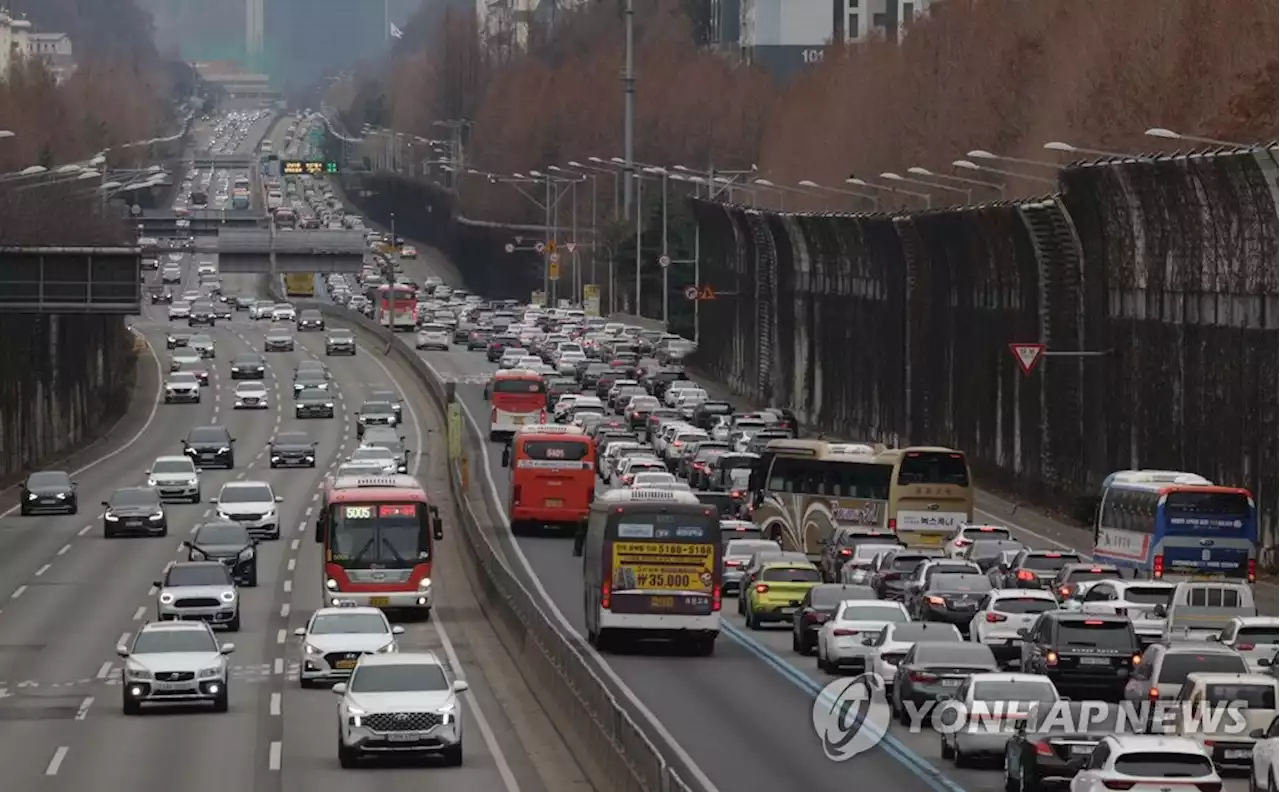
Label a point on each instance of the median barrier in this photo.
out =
(615, 750)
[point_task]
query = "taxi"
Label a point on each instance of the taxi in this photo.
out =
(336, 638)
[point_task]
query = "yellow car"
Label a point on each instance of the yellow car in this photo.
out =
(778, 590)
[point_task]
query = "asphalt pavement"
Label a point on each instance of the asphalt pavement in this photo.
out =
(68, 596)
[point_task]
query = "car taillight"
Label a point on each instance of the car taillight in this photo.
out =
(734, 564)
(1136, 659)
(996, 618)
(1051, 658)
(935, 600)
(542, 416)
(1025, 574)
(1153, 693)
(1064, 591)
(845, 552)
(893, 523)
(626, 480)
(1044, 749)
(762, 589)
(814, 616)
(1157, 567)
(716, 598)
(606, 594)
(963, 542)
(921, 676)
(1112, 784)
(677, 444)
(1253, 574)
(1244, 647)
(843, 632)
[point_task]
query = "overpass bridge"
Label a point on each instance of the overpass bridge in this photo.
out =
(262, 251)
(202, 222)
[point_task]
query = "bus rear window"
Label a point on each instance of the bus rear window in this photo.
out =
(933, 467)
(1222, 504)
(515, 386)
(555, 450)
(666, 527)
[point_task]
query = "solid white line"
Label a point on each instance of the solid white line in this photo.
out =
(83, 712)
(83, 530)
(288, 586)
(275, 704)
(43, 569)
(17, 592)
(56, 762)
(284, 610)
(64, 549)
(156, 398)
(105, 671)
(280, 636)
(273, 762)
(140, 612)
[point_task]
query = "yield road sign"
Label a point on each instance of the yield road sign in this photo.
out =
(1027, 355)
(691, 292)
(569, 246)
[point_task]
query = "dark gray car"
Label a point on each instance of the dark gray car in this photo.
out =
(230, 543)
(931, 668)
(293, 449)
(134, 510)
(313, 403)
(49, 491)
(248, 366)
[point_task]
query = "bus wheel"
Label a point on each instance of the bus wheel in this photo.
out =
(517, 528)
(703, 646)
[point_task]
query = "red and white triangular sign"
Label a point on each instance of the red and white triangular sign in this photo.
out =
(1027, 355)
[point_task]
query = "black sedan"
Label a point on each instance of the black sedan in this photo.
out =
(230, 543)
(49, 492)
(818, 605)
(933, 668)
(210, 446)
(176, 338)
(1040, 752)
(310, 320)
(248, 367)
(293, 449)
(161, 296)
(952, 598)
(134, 510)
(313, 403)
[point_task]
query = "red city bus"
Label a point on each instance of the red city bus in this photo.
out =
(379, 535)
(553, 478)
(517, 399)
(396, 307)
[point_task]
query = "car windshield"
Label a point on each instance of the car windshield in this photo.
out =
(246, 493)
(136, 496)
(48, 478)
(312, 394)
(292, 438)
(1177, 665)
(376, 408)
(200, 339)
(340, 333)
(278, 334)
(173, 466)
(1096, 633)
(1257, 635)
(1153, 595)
(830, 596)
(1152, 764)
(348, 624)
(246, 361)
(197, 575)
(166, 641)
(207, 436)
(363, 454)
(745, 547)
(251, 387)
(1014, 690)
(1091, 573)
(873, 613)
(222, 534)
(408, 677)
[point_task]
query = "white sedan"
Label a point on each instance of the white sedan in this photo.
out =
(251, 395)
(335, 638)
(841, 638)
(432, 336)
(283, 313)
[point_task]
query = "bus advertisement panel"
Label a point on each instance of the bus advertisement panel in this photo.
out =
(674, 577)
(517, 399)
(1178, 532)
(931, 496)
(396, 307)
(552, 476)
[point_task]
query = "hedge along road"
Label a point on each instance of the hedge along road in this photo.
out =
(712, 708)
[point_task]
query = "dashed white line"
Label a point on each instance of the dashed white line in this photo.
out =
(85, 530)
(18, 592)
(43, 569)
(302, 526)
(294, 544)
(273, 761)
(293, 562)
(64, 549)
(83, 712)
(195, 528)
(308, 512)
(280, 636)
(207, 512)
(288, 586)
(105, 671)
(275, 704)
(284, 610)
(56, 762)
(278, 667)
(140, 612)
(124, 639)
(315, 496)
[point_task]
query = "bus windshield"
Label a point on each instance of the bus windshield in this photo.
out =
(933, 467)
(389, 535)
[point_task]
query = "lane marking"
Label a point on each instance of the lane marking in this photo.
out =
(43, 569)
(293, 545)
(124, 639)
(83, 712)
(64, 549)
(280, 636)
(273, 761)
(275, 704)
(55, 763)
(293, 562)
(18, 592)
(105, 671)
(302, 526)
(151, 592)
(85, 530)
(284, 610)
(278, 667)
(288, 586)
(140, 612)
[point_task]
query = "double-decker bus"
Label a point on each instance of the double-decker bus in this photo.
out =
(930, 494)
(379, 535)
(517, 398)
(803, 490)
(652, 568)
(553, 478)
(1171, 525)
(396, 307)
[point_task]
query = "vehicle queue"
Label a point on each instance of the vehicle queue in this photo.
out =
(870, 556)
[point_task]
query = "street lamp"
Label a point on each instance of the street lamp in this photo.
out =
(890, 176)
(967, 165)
(875, 201)
(987, 155)
(1057, 145)
(1169, 134)
(918, 171)
(6, 133)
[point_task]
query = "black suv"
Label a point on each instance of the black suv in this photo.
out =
(202, 313)
(159, 294)
(230, 543)
(248, 366)
(1077, 651)
(210, 446)
(293, 449)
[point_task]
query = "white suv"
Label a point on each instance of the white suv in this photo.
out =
(176, 662)
(253, 505)
(399, 703)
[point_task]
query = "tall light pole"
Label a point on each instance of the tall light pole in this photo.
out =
(1169, 134)
(629, 121)
(639, 185)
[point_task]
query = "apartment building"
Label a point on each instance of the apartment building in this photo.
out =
(18, 41)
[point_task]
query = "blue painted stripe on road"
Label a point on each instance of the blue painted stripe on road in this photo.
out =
(917, 764)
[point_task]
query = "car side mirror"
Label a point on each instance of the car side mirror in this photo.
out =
(148, 473)
(1023, 633)
(300, 632)
(397, 630)
(340, 688)
(213, 500)
(122, 650)
(199, 470)
(186, 544)
(1264, 662)
(1258, 734)
(460, 686)
(226, 648)
(279, 499)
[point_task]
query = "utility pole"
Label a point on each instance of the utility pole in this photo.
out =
(666, 257)
(629, 122)
(639, 235)
(576, 297)
(546, 241)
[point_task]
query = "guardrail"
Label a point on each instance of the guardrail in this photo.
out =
(613, 749)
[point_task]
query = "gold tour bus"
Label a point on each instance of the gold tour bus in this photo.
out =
(931, 494)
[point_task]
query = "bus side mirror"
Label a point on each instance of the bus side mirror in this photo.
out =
(437, 526)
(506, 456)
(1160, 611)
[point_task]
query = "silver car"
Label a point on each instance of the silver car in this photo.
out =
(433, 336)
(182, 386)
(335, 639)
(174, 663)
(399, 703)
(377, 455)
(203, 345)
(253, 505)
(183, 357)
(175, 478)
(278, 340)
(200, 591)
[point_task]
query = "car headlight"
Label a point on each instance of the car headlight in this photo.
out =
(32, 496)
(388, 649)
(448, 713)
(138, 673)
(109, 517)
(329, 405)
(246, 554)
(228, 596)
(61, 496)
(424, 584)
(151, 482)
(210, 673)
(166, 599)
(331, 584)
(158, 515)
(311, 650)
(224, 450)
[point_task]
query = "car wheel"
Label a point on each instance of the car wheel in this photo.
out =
(234, 624)
(164, 530)
(130, 706)
(252, 580)
(25, 511)
(452, 755)
(347, 757)
(222, 701)
(107, 533)
(196, 498)
(944, 750)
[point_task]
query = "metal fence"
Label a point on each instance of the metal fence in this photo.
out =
(614, 747)
(896, 328)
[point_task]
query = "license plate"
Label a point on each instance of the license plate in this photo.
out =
(170, 685)
(1098, 661)
(1081, 749)
(1237, 754)
(519, 419)
(403, 737)
(379, 602)
(965, 605)
(786, 611)
(951, 682)
(554, 502)
(930, 540)
(344, 664)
